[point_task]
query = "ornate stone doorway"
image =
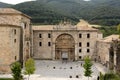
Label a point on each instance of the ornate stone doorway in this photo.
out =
(65, 47)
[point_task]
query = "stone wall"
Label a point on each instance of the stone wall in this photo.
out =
(10, 19)
(84, 40)
(15, 38)
(9, 46)
(115, 46)
(48, 52)
(103, 52)
(44, 51)
(26, 37)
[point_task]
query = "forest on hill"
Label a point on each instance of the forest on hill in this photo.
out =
(100, 12)
(103, 12)
(4, 5)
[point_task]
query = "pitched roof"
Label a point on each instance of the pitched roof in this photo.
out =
(12, 11)
(84, 25)
(9, 10)
(110, 38)
(85, 28)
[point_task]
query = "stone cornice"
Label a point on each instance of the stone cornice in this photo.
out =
(21, 14)
(7, 25)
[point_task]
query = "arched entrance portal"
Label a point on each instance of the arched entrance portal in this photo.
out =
(65, 47)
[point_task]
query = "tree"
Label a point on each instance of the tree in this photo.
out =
(101, 76)
(29, 67)
(16, 71)
(87, 66)
(118, 28)
(110, 76)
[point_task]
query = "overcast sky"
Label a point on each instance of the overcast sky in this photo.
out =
(19, 1)
(14, 1)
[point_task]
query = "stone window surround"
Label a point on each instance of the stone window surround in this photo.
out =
(40, 43)
(49, 43)
(88, 50)
(80, 35)
(15, 31)
(80, 50)
(14, 40)
(25, 25)
(80, 44)
(40, 35)
(88, 35)
(49, 35)
(88, 44)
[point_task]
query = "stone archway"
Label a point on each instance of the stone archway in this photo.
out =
(65, 47)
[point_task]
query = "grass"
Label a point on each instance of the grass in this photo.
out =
(6, 79)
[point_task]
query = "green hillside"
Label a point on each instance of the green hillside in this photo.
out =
(4, 5)
(42, 14)
(103, 12)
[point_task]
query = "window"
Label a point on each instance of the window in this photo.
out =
(15, 58)
(14, 40)
(80, 57)
(40, 43)
(25, 25)
(80, 50)
(80, 44)
(40, 35)
(80, 35)
(49, 35)
(88, 35)
(14, 31)
(49, 43)
(88, 44)
(88, 50)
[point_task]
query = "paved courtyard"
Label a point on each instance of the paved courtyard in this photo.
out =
(58, 70)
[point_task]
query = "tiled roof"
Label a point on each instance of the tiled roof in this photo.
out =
(110, 38)
(9, 10)
(84, 25)
(85, 28)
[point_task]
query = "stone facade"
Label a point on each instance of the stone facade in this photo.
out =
(15, 38)
(115, 56)
(104, 50)
(18, 42)
(65, 40)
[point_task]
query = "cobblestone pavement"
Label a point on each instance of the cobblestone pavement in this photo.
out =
(58, 70)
